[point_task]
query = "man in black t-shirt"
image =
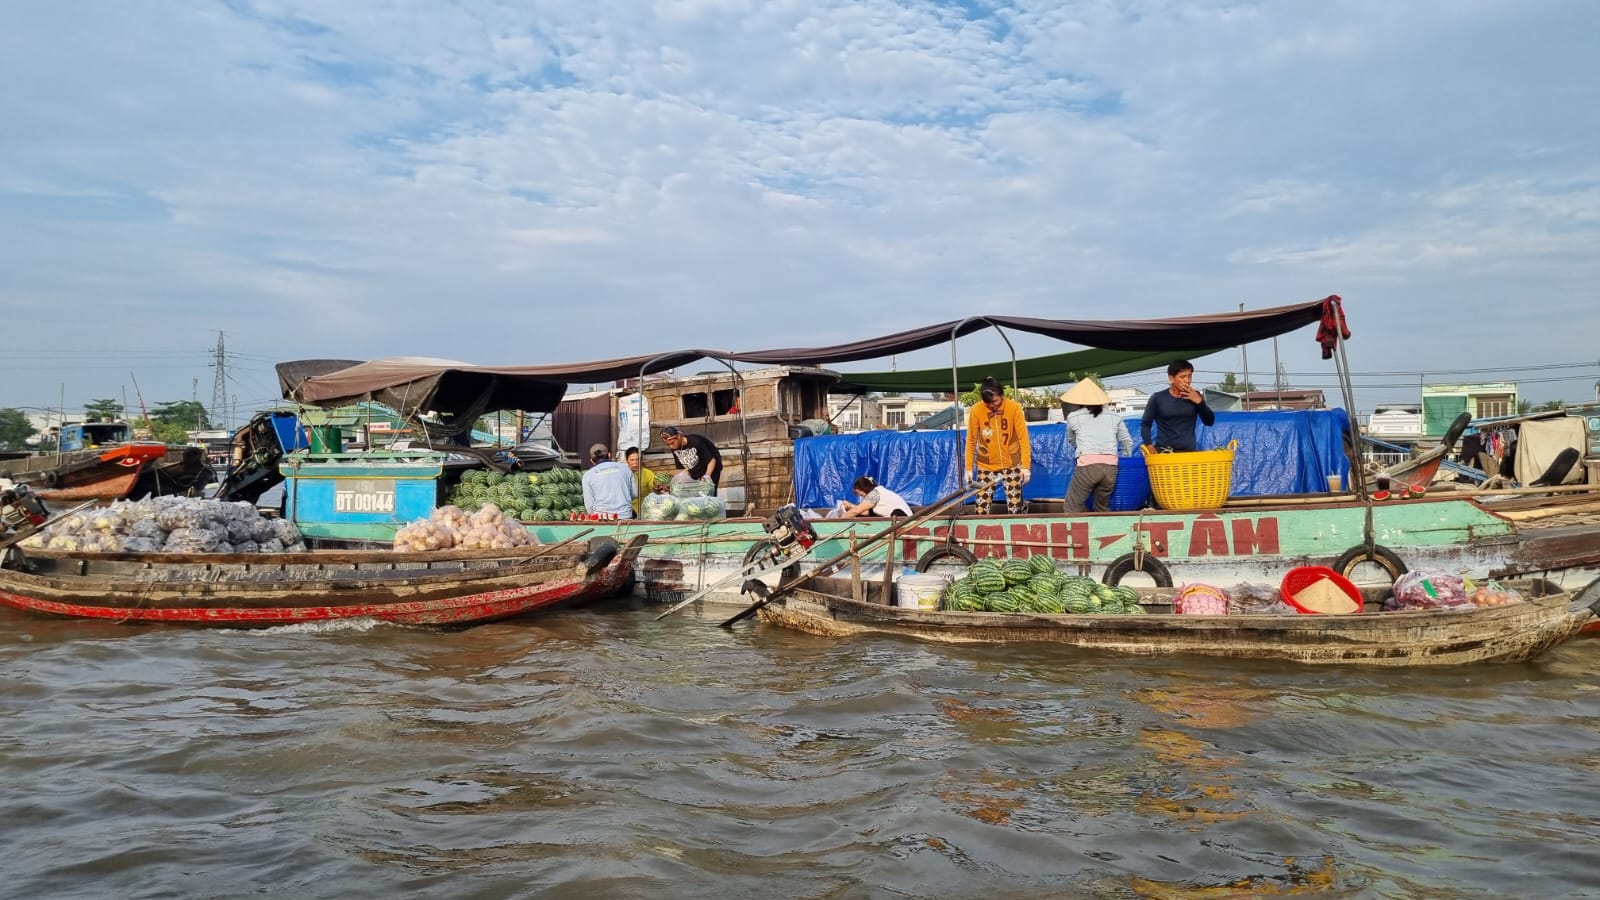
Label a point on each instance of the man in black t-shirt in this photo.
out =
(695, 454)
(1174, 410)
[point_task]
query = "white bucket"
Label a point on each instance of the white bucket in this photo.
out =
(920, 591)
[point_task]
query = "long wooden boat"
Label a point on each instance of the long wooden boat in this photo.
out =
(1512, 633)
(460, 587)
(101, 473)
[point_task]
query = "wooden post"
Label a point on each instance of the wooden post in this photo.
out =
(888, 562)
(855, 570)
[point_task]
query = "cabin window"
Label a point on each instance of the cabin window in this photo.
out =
(104, 434)
(696, 406)
(727, 402)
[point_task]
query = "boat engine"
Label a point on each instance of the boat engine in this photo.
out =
(20, 510)
(789, 528)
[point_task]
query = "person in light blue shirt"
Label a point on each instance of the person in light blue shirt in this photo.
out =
(1096, 437)
(608, 485)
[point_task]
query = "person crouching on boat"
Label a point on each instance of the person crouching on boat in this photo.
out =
(1096, 437)
(872, 500)
(694, 454)
(1173, 412)
(608, 485)
(997, 447)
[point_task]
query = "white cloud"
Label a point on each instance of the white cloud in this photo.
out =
(476, 180)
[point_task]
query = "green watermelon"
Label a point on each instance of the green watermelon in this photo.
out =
(1016, 571)
(987, 577)
(1041, 564)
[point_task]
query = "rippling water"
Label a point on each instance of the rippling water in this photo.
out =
(598, 753)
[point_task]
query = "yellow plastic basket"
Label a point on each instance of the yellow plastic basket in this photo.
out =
(1197, 480)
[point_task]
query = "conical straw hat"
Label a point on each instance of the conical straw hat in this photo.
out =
(1086, 393)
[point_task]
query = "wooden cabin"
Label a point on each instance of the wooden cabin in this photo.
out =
(753, 417)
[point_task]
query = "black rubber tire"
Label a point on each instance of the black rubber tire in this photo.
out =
(1558, 469)
(1380, 556)
(602, 550)
(1124, 565)
(945, 551)
(767, 548)
(1453, 433)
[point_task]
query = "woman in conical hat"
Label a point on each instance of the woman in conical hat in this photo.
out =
(1096, 438)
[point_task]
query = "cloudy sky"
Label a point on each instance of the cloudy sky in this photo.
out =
(551, 181)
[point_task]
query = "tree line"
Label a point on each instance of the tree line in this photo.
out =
(170, 422)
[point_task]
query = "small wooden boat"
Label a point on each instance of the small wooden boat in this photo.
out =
(240, 590)
(1511, 633)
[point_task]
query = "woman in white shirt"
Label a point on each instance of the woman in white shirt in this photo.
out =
(876, 500)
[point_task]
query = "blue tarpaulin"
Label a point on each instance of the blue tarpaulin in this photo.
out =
(1280, 452)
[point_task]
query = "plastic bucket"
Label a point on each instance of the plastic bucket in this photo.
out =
(1133, 486)
(920, 591)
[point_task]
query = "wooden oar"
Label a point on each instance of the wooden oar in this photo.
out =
(23, 534)
(832, 565)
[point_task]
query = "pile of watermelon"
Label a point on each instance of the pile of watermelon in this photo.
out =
(1034, 586)
(528, 497)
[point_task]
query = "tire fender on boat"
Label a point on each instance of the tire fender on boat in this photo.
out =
(602, 550)
(1128, 563)
(945, 552)
(1377, 555)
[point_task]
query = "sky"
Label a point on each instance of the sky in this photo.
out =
(541, 182)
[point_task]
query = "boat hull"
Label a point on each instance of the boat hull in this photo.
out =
(1512, 633)
(256, 590)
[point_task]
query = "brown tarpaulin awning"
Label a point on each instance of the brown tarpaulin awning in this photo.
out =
(411, 384)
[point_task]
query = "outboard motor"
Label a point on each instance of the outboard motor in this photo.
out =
(789, 527)
(20, 509)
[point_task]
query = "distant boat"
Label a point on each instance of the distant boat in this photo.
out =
(95, 461)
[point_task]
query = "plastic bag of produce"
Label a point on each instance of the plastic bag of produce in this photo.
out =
(703, 509)
(684, 486)
(658, 507)
(1493, 594)
(1201, 600)
(1429, 589)
(1257, 600)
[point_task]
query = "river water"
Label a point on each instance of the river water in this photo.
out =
(599, 753)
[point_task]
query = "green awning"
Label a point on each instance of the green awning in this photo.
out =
(1038, 371)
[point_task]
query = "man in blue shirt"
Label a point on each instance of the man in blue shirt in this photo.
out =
(1174, 410)
(608, 485)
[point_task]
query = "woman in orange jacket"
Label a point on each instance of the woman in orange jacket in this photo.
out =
(997, 447)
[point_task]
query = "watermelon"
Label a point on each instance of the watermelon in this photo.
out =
(1016, 571)
(1041, 564)
(987, 578)
(1380, 496)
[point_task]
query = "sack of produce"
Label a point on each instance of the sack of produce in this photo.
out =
(658, 507)
(1201, 600)
(1428, 589)
(1492, 594)
(1257, 600)
(702, 509)
(684, 486)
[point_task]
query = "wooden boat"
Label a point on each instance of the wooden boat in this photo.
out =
(1512, 633)
(101, 473)
(460, 587)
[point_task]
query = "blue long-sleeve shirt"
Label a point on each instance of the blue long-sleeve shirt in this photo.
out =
(1174, 420)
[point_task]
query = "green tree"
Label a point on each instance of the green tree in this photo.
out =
(170, 432)
(1231, 384)
(102, 411)
(15, 429)
(189, 414)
